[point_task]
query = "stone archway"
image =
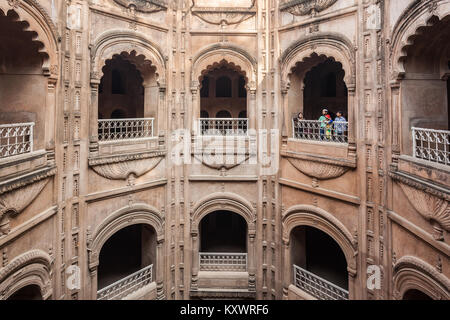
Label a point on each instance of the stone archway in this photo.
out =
(306, 215)
(120, 219)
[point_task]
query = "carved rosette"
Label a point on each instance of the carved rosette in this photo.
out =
(431, 207)
(305, 7)
(120, 168)
(147, 6)
(318, 170)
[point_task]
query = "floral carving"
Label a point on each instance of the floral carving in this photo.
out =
(318, 170)
(120, 168)
(147, 6)
(304, 7)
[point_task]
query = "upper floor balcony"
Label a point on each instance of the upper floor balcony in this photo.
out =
(125, 129)
(16, 139)
(229, 127)
(431, 145)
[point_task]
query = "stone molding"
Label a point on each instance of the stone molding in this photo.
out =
(413, 273)
(122, 166)
(146, 6)
(224, 15)
(305, 7)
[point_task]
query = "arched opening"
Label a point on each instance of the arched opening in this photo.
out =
(30, 292)
(414, 294)
(128, 98)
(223, 93)
(424, 91)
(319, 264)
(223, 242)
(122, 85)
(23, 88)
(129, 256)
(319, 93)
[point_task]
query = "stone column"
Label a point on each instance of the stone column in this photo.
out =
(251, 261)
(195, 260)
(352, 285)
(287, 267)
(396, 121)
(161, 116)
(351, 120)
(160, 269)
(252, 116)
(50, 119)
(285, 113)
(195, 105)
(94, 273)
(93, 117)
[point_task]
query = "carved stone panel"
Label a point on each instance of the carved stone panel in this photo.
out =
(318, 170)
(223, 15)
(147, 6)
(305, 7)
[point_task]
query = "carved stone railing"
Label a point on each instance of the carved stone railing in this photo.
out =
(223, 127)
(125, 129)
(317, 286)
(124, 287)
(431, 145)
(16, 139)
(314, 130)
(213, 261)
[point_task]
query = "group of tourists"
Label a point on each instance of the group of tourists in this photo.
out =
(328, 126)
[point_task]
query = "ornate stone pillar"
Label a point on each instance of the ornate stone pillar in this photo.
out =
(50, 118)
(285, 116)
(93, 116)
(161, 117)
(352, 285)
(160, 269)
(351, 120)
(195, 260)
(195, 105)
(252, 116)
(251, 261)
(94, 273)
(396, 121)
(287, 275)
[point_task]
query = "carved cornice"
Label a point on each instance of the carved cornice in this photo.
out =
(431, 201)
(305, 7)
(122, 166)
(221, 160)
(27, 179)
(319, 167)
(147, 6)
(224, 15)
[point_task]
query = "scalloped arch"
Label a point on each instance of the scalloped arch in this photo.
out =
(307, 215)
(119, 42)
(324, 44)
(213, 55)
(223, 201)
(413, 273)
(140, 213)
(415, 17)
(38, 20)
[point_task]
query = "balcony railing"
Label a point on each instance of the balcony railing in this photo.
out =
(127, 285)
(223, 126)
(213, 261)
(431, 145)
(16, 139)
(317, 286)
(314, 130)
(125, 129)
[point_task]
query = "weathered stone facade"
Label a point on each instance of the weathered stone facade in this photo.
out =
(76, 187)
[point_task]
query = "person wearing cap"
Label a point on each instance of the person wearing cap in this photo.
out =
(325, 124)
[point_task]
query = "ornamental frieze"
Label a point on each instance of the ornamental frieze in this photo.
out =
(121, 167)
(147, 6)
(305, 7)
(223, 15)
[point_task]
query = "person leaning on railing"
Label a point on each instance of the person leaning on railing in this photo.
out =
(340, 124)
(299, 132)
(325, 125)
